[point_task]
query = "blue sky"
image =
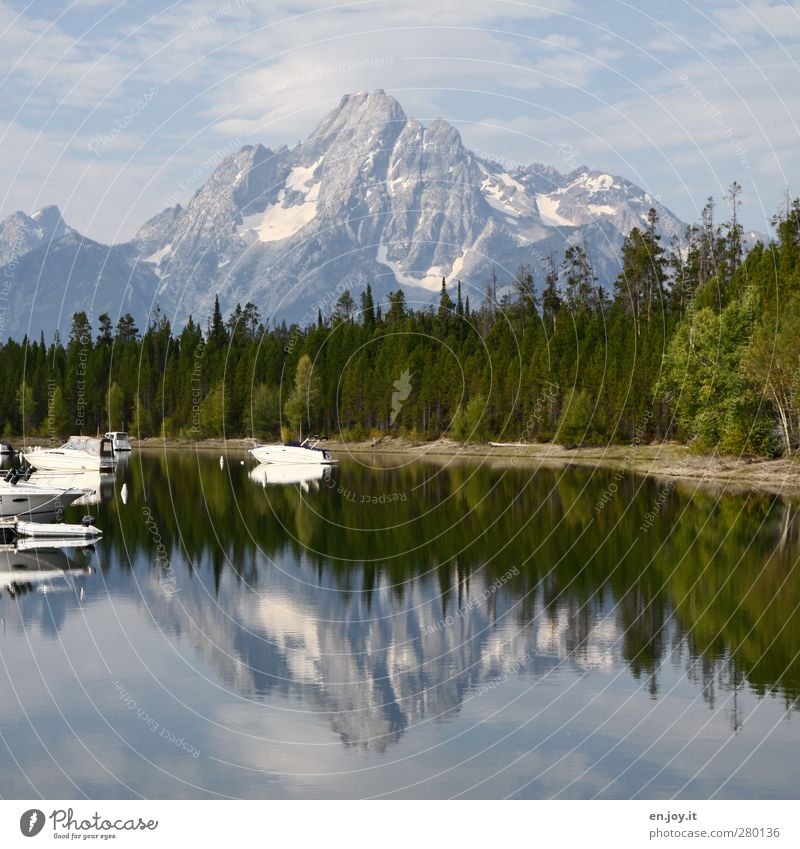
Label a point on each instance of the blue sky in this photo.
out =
(112, 110)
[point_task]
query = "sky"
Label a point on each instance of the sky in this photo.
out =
(114, 110)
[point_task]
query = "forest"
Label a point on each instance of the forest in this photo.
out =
(696, 342)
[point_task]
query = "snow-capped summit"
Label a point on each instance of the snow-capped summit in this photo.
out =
(372, 195)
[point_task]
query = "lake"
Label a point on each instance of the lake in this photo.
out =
(405, 628)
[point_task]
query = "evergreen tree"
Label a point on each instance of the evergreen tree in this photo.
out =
(526, 290)
(579, 279)
(397, 307)
(640, 285)
(368, 308)
(551, 300)
(345, 306)
(445, 303)
(127, 331)
(217, 334)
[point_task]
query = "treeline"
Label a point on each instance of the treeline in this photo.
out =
(697, 341)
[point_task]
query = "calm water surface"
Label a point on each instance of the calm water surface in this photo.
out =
(409, 628)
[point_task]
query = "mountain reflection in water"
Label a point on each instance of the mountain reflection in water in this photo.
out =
(387, 600)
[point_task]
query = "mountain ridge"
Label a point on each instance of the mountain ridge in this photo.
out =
(370, 196)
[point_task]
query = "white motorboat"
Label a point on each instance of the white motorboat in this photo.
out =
(23, 498)
(277, 474)
(58, 531)
(119, 440)
(293, 453)
(80, 453)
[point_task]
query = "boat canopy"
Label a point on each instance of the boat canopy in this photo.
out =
(90, 444)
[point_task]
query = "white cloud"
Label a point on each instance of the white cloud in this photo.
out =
(516, 77)
(756, 20)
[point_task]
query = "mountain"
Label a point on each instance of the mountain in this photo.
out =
(21, 233)
(45, 286)
(371, 196)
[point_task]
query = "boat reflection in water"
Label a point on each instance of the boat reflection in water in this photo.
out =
(50, 566)
(97, 486)
(307, 475)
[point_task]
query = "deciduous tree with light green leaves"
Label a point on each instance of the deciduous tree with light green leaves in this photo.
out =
(301, 406)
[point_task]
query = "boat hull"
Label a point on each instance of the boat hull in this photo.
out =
(59, 530)
(22, 500)
(53, 461)
(292, 455)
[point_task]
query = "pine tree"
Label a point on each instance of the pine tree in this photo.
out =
(445, 303)
(345, 306)
(217, 334)
(551, 300)
(368, 308)
(734, 239)
(397, 307)
(640, 285)
(579, 279)
(526, 289)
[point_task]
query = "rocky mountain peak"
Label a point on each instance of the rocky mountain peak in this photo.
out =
(50, 221)
(370, 196)
(372, 110)
(21, 233)
(439, 132)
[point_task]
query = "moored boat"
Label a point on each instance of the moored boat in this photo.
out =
(59, 530)
(22, 498)
(79, 453)
(119, 440)
(293, 453)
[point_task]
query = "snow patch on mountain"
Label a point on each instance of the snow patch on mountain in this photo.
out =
(295, 206)
(282, 222)
(430, 279)
(548, 211)
(596, 183)
(160, 254)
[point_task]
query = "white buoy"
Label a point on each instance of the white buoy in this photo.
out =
(221, 461)
(241, 462)
(123, 493)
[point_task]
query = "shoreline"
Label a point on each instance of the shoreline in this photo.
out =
(668, 460)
